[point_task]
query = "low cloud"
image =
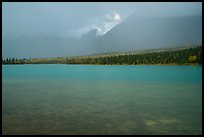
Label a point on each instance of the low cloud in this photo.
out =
(102, 24)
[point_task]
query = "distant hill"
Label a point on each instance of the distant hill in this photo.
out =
(173, 56)
(134, 33)
(152, 32)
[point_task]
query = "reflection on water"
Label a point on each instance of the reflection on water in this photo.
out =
(101, 106)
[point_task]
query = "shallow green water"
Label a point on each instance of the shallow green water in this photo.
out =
(80, 99)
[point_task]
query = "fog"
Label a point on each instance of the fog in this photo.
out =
(68, 29)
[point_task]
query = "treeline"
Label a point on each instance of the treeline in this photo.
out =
(177, 56)
(13, 61)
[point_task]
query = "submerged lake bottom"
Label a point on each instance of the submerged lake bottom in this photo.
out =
(80, 99)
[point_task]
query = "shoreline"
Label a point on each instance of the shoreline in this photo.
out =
(114, 64)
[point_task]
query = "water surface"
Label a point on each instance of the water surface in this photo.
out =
(83, 99)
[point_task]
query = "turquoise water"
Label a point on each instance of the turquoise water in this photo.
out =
(83, 99)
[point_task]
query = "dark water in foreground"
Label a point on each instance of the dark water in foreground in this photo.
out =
(79, 99)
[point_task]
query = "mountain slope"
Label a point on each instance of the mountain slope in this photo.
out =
(144, 33)
(133, 33)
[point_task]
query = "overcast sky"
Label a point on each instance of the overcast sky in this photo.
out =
(73, 19)
(65, 19)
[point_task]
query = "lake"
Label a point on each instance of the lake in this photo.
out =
(94, 99)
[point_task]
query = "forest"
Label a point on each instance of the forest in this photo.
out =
(178, 56)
